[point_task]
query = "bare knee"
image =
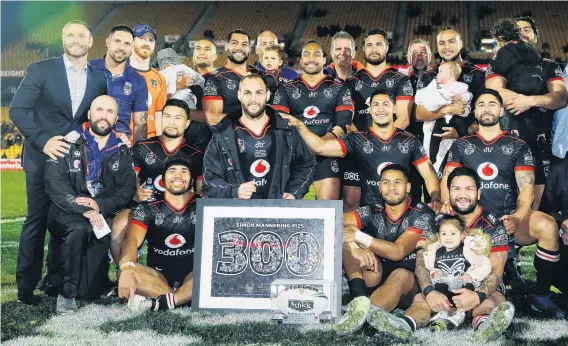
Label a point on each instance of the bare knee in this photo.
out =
(120, 224)
(402, 276)
(545, 227)
(371, 278)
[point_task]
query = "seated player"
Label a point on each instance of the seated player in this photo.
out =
(378, 251)
(169, 226)
(456, 260)
(87, 186)
(382, 144)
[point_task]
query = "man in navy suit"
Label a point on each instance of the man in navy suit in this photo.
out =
(53, 99)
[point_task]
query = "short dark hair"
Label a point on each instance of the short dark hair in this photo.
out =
(491, 92)
(177, 160)
(506, 30)
(178, 103)
(396, 167)
(449, 218)
(121, 27)
(532, 22)
(464, 172)
(382, 91)
(238, 31)
(314, 42)
(376, 32)
(206, 39)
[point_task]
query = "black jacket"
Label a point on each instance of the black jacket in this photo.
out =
(64, 181)
(293, 169)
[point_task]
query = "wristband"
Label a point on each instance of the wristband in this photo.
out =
(363, 239)
(481, 296)
(127, 266)
(333, 134)
(427, 290)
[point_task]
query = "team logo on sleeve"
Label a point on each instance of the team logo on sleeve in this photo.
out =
(390, 83)
(260, 168)
(139, 214)
(159, 183)
(241, 145)
(470, 149)
(127, 88)
(487, 171)
(231, 85)
(150, 158)
(468, 78)
(407, 89)
(328, 93)
(382, 166)
(404, 147)
(311, 112)
(277, 98)
(368, 147)
(159, 219)
(358, 85)
(174, 241)
(296, 94)
(507, 149)
(347, 97)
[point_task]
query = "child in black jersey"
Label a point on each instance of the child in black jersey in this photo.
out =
(272, 61)
(456, 259)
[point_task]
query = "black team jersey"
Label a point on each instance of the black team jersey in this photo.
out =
(491, 226)
(363, 84)
(256, 156)
(273, 79)
(197, 90)
(378, 223)
(326, 105)
(150, 154)
(223, 84)
(452, 263)
(371, 154)
(170, 233)
(495, 162)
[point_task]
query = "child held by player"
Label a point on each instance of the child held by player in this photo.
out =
(272, 60)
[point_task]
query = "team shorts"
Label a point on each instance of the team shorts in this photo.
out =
(348, 172)
(326, 168)
(174, 274)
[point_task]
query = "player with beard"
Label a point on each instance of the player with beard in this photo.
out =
(220, 95)
(267, 39)
(322, 104)
(145, 37)
(382, 144)
(376, 75)
(505, 165)
(378, 252)
(169, 226)
(87, 187)
(255, 154)
(125, 85)
(342, 52)
(149, 157)
(491, 314)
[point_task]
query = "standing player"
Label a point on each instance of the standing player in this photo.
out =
(149, 157)
(221, 88)
(145, 37)
(267, 39)
(379, 249)
(322, 104)
(255, 154)
(376, 75)
(169, 226)
(342, 52)
(125, 85)
(373, 150)
(505, 166)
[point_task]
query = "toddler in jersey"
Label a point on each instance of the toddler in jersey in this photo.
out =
(175, 73)
(272, 61)
(442, 91)
(456, 260)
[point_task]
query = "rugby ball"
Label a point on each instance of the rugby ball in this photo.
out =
(302, 300)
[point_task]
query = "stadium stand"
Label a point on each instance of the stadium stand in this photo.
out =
(11, 147)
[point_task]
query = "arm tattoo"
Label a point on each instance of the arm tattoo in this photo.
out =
(524, 178)
(143, 118)
(490, 284)
(422, 274)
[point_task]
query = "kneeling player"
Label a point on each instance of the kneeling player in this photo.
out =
(169, 226)
(380, 259)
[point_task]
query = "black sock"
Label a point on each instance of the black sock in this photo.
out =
(357, 288)
(410, 322)
(163, 302)
(545, 265)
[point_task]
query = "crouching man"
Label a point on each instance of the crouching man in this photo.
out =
(88, 185)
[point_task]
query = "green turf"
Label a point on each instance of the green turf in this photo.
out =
(13, 194)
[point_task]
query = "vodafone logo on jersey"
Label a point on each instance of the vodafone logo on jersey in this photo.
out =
(368, 101)
(382, 166)
(174, 241)
(260, 168)
(311, 112)
(159, 183)
(487, 171)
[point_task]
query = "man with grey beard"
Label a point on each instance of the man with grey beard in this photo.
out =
(254, 154)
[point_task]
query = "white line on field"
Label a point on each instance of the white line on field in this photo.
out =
(17, 219)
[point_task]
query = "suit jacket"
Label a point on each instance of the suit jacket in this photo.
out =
(42, 108)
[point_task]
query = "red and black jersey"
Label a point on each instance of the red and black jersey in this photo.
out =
(363, 84)
(170, 232)
(223, 84)
(272, 80)
(321, 108)
(371, 154)
(491, 226)
(495, 162)
(149, 155)
(197, 90)
(256, 156)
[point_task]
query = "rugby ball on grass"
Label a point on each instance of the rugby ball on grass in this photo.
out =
(302, 300)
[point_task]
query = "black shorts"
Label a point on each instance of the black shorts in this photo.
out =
(326, 168)
(348, 172)
(174, 274)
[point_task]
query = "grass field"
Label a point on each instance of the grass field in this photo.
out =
(105, 322)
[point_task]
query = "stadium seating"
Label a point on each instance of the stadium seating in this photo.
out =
(551, 19)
